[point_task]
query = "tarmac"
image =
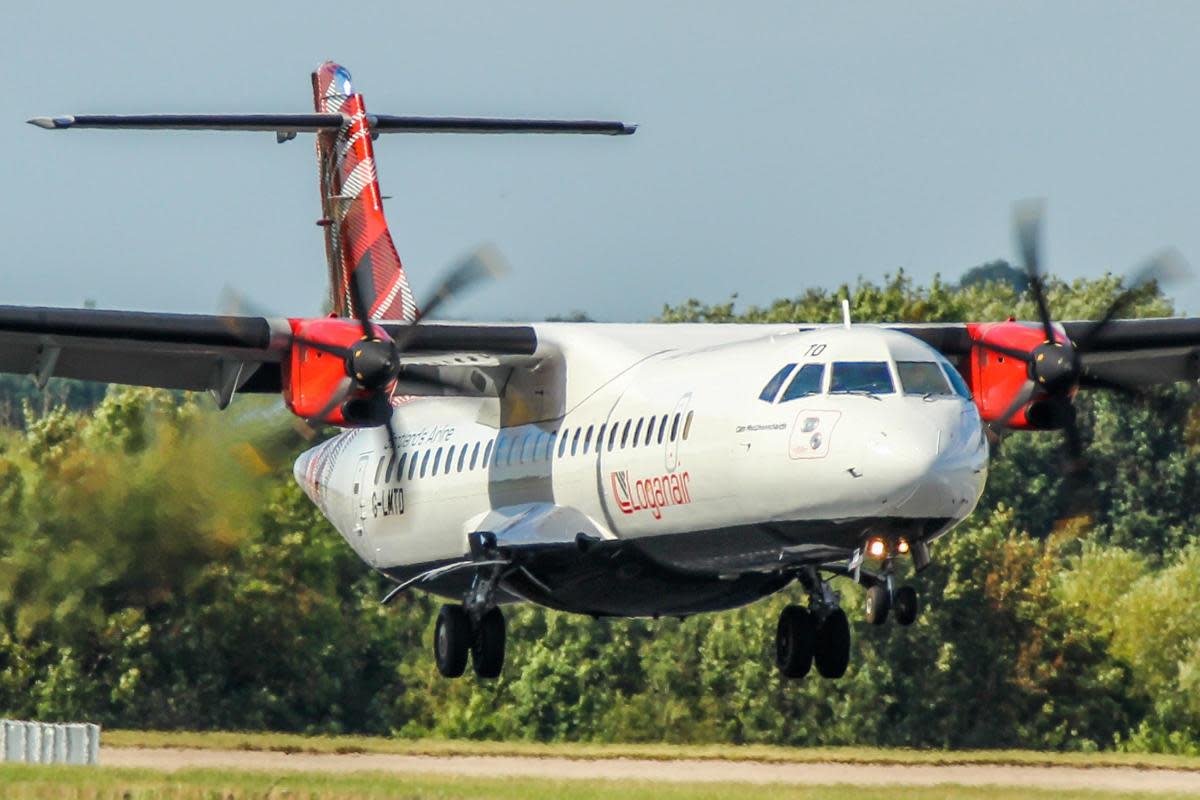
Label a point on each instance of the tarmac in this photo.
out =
(675, 771)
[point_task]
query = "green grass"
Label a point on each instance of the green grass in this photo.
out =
(293, 743)
(25, 782)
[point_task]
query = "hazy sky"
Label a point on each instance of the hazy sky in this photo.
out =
(781, 145)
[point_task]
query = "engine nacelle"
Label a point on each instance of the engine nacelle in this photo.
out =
(312, 377)
(996, 379)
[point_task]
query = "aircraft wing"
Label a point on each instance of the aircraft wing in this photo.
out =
(1131, 352)
(217, 353)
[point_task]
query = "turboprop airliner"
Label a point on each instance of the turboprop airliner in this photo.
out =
(610, 470)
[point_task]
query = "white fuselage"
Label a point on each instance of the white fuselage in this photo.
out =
(654, 440)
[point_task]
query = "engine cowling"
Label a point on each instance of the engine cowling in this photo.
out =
(997, 379)
(314, 378)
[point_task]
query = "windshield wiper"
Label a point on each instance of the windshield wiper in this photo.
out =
(860, 393)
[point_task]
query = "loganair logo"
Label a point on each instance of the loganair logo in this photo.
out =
(650, 494)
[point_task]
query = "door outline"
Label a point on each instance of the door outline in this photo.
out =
(672, 445)
(360, 474)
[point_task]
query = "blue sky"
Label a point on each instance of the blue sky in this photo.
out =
(782, 145)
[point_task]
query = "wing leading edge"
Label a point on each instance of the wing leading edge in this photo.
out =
(195, 352)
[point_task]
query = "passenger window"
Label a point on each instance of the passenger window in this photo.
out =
(922, 377)
(437, 459)
(600, 437)
(956, 380)
(662, 428)
(412, 466)
(424, 463)
(462, 458)
(807, 381)
(379, 469)
(487, 453)
(772, 388)
(649, 431)
(387, 475)
(474, 455)
(687, 425)
(562, 443)
(861, 377)
(530, 448)
(550, 444)
(503, 448)
(449, 460)
(625, 433)
(575, 440)
(400, 468)
(674, 427)
(637, 432)
(612, 436)
(515, 449)
(587, 439)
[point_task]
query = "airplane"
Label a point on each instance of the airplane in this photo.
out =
(621, 470)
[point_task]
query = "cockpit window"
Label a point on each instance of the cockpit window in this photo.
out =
(861, 377)
(956, 380)
(807, 381)
(772, 388)
(922, 377)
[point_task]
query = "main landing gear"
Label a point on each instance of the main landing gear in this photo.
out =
(475, 629)
(456, 637)
(818, 634)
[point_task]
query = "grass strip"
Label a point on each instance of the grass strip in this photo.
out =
(295, 743)
(29, 782)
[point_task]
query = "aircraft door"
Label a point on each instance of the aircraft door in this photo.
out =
(675, 421)
(361, 494)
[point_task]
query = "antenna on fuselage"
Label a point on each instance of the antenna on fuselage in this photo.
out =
(846, 314)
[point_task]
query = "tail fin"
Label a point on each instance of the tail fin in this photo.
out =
(357, 240)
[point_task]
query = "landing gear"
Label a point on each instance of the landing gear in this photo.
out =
(906, 604)
(879, 600)
(487, 650)
(475, 628)
(452, 641)
(795, 639)
(833, 645)
(456, 637)
(819, 633)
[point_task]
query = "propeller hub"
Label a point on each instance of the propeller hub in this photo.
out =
(1055, 367)
(373, 363)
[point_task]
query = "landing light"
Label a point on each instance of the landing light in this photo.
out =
(902, 547)
(876, 548)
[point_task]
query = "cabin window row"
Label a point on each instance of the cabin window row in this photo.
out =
(531, 447)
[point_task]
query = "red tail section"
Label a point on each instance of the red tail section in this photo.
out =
(356, 234)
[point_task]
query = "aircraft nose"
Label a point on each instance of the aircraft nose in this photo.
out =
(929, 467)
(901, 456)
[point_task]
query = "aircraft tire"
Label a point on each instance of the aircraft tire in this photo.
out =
(487, 650)
(451, 641)
(907, 605)
(832, 652)
(878, 603)
(794, 639)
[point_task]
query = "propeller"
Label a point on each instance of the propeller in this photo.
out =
(1056, 366)
(373, 363)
